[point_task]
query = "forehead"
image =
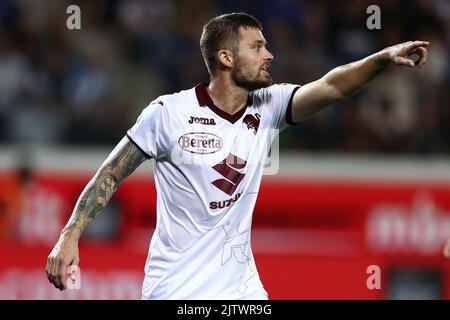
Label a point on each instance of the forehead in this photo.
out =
(251, 35)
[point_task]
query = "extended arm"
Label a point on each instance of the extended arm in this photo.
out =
(122, 161)
(344, 81)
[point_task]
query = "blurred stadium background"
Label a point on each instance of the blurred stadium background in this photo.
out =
(365, 182)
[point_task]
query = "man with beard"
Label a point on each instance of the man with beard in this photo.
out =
(210, 144)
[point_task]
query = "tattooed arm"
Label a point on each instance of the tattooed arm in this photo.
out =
(122, 161)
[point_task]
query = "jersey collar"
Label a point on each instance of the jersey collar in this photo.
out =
(205, 100)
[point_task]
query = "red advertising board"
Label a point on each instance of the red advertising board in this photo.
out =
(312, 239)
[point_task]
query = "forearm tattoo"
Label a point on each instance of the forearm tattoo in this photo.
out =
(122, 161)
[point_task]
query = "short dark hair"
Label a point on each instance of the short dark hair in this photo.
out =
(222, 32)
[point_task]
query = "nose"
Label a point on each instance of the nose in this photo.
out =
(268, 56)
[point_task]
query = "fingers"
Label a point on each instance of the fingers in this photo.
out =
(409, 48)
(56, 271)
(418, 47)
(52, 271)
(62, 275)
(48, 270)
(404, 61)
(423, 54)
(64, 253)
(415, 44)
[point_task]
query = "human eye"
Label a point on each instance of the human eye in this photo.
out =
(258, 47)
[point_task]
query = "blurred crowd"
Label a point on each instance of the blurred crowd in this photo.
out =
(86, 87)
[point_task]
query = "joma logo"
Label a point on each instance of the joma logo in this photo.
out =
(206, 121)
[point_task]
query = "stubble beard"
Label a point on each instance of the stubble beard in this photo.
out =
(241, 79)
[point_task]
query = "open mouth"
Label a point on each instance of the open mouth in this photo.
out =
(265, 69)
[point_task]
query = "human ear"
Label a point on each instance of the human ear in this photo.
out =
(225, 58)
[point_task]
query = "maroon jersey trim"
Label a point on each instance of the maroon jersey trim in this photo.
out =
(205, 100)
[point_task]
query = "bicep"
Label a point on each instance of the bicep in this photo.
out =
(125, 158)
(311, 98)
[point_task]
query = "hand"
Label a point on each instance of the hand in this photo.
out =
(447, 249)
(399, 54)
(64, 254)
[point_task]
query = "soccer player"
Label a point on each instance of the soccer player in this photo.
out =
(209, 146)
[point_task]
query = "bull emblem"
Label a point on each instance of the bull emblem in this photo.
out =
(252, 121)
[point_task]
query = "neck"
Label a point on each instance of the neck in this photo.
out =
(226, 95)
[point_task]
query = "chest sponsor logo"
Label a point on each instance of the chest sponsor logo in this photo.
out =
(228, 169)
(206, 121)
(200, 142)
(224, 203)
(252, 122)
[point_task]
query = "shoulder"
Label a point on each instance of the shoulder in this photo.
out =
(273, 92)
(168, 104)
(174, 100)
(275, 88)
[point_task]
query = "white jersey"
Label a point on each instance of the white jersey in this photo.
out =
(208, 168)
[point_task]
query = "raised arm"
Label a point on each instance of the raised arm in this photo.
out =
(344, 81)
(122, 161)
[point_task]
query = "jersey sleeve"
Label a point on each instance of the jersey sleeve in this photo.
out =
(146, 133)
(281, 96)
